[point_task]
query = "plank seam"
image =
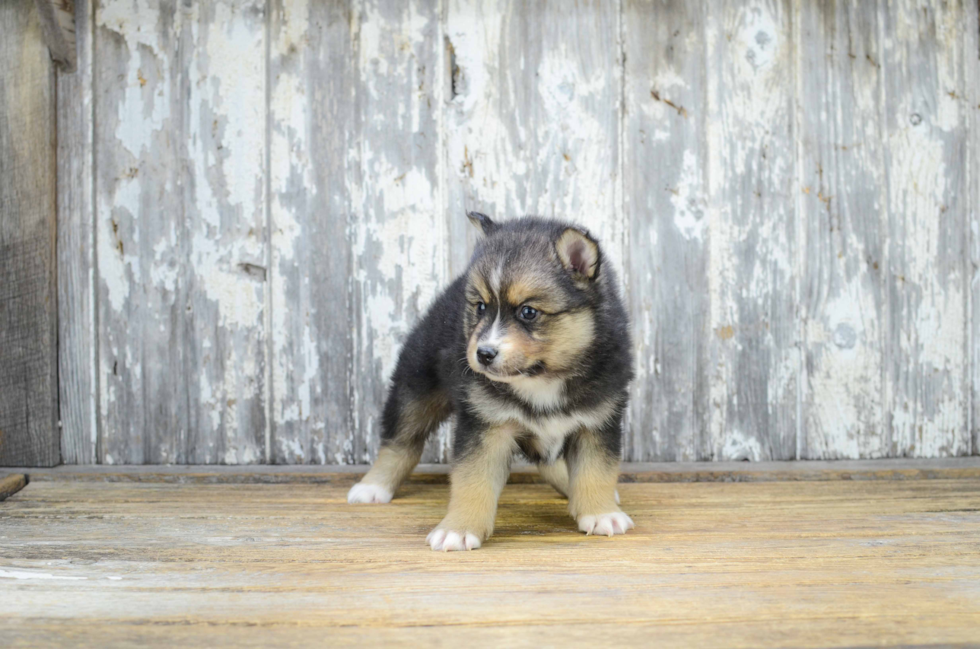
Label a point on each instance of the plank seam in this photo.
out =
(99, 445)
(267, 292)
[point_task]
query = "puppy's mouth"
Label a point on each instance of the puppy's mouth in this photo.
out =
(537, 369)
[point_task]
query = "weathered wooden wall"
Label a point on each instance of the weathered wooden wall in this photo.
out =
(28, 193)
(259, 197)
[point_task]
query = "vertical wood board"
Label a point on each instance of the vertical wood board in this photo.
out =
(753, 255)
(28, 203)
(924, 120)
(313, 77)
(398, 236)
(841, 196)
(78, 359)
(664, 177)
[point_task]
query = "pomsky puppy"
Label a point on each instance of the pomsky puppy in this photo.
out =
(530, 348)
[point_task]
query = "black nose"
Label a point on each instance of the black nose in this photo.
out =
(486, 354)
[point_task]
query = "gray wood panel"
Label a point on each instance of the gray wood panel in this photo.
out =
(313, 74)
(180, 123)
(971, 43)
(77, 339)
(844, 302)
(753, 266)
(925, 124)
(398, 235)
(665, 179)
(224, 247)
(533, 117)
(139, 218)
(28, 203)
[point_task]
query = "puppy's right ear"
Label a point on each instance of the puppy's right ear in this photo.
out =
(483, 222)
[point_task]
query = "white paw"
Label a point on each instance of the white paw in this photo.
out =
(368, 493)
(450, 541)
(605, 524)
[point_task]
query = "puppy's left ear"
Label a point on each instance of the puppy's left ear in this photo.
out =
(579, 253)
(483, 222)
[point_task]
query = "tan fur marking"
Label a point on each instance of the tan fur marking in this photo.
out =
(476, 482)
(592, 475)
(395, 462)
(556, 474)
(399, 456)
(569, 336)
(523, 289)
(476, 280)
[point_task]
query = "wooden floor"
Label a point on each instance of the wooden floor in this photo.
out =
(817, 564)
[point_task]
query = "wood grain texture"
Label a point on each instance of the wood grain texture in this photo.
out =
(78, 357)
(664, 178)
(925, 124)
(225, 266)
(765, 564)
(141, 295)
(58, 26)
(180, 154)
(753, 266)
(398, 235)
(533, 117)
(313, 136)
(28, 204)
(841, 200)
(971, 43)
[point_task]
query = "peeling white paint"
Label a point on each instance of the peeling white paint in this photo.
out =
(39, 576)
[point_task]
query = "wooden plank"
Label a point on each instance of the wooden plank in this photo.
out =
(664, 177)
(971, 45)
(28, 203)
(534, 117)
(140, 293)
(813, 564)
(181, 231)
(78, 358)
(11, 484)
(58, 26)
(844, 302)
(313, 77)
(958, 468)
(925, 122)
(223, 243)
(753, 244)
(399, 229)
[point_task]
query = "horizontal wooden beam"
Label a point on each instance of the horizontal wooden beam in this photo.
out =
(947, 468)
(58, 26)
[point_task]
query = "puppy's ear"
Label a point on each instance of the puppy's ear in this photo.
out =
(579, 253)
(483, 222)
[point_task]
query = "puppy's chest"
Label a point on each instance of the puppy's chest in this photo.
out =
(548, 430)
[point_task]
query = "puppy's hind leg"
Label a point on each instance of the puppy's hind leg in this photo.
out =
(555, 474)
(407, 422)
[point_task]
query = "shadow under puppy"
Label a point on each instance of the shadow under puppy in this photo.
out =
(530, 348)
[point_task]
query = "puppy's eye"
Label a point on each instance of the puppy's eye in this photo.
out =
(481, 308)
(528, 313)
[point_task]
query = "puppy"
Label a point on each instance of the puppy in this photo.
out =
(530, 349)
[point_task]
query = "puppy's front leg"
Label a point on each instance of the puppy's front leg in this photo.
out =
(479, 473)
(593, 471)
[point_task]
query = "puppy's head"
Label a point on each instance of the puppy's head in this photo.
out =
(530, 296)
